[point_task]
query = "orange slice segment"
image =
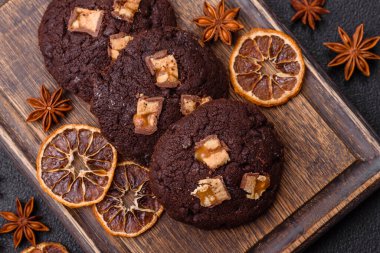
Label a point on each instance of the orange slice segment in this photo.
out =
(46, 247)
(75, 165)
(129, 208)
(266, 67)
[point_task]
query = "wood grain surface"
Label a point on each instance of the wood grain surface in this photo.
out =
(327, 146)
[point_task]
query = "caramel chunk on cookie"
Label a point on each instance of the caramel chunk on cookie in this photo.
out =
(146, 117)
(86, 21)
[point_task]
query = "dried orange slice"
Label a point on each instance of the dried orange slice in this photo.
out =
(266, 67)
(46, 247)
(75, 165)
(129, 208)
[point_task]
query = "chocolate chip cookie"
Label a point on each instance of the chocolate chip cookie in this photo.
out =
(218, 167)
(80, 37)
(162, 75)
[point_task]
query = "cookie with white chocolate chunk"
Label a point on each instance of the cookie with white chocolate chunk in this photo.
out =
(220, 166)
(78, 38)
(166, 64)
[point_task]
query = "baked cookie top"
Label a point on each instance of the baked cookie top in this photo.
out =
(80, 37)
(163, 75)
(219, 166)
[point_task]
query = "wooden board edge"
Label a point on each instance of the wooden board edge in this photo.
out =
(12, 149)
(324, 210)
(87, 246)
(291, 242)
(330, 87)
(342, 213)
(4, 2)
(296, 243)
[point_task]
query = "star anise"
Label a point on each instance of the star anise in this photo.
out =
(354, 52)
(48, 107)
(22, 223)
(308, 11)
(218, 22)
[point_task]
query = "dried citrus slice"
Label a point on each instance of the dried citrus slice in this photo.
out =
(129, 208)
(46, 247)
(75, 165)
(266, 67)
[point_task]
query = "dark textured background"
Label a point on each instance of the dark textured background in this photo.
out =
(359, 231)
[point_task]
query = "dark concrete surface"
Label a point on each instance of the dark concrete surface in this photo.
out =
(12, 185)
(359, 231)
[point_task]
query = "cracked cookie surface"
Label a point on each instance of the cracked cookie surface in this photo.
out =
(72, 57)
(117, 92)
(252, 146)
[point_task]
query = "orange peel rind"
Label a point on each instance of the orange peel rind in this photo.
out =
(75, 165)
(266, 67)
(129, 208)
(46, 247)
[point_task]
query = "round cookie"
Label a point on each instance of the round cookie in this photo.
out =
(218, 167)
(72, 56)
(116, 94)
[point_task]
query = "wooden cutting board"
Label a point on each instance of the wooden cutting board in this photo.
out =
(332, 158)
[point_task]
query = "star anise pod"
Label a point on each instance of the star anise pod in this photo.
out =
(22, 223)
(48, 107)
(308, 11)
(354, 52)
(218, 22)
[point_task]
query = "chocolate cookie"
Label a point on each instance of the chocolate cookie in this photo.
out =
(218, 167)
(75, 36)
(161, 76)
